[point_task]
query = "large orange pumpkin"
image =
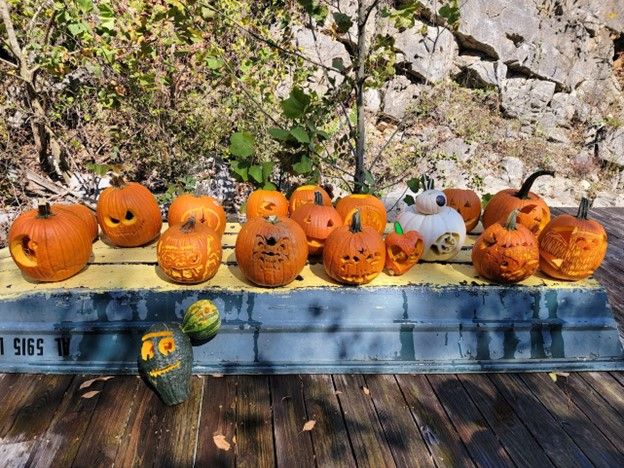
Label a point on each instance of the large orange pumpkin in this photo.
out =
(403, 250)
(318, 222)
(572, 247)
(354, 254)
(271, 251)
(190, 252)
(49, 244)
(372, 210)
(84, 213)
(206, 210)
(128, 213)
(266, 203)
(305, 194)
(467, 204)
(533, 211)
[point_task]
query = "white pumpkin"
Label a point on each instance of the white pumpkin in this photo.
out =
(441, 227)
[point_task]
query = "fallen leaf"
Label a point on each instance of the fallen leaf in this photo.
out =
(220, 442)
(287, 397)
(308, 426)
(88, 383)
(90, 394)
(337, 392)
(553, 375)
(366, 390)
(234, 440)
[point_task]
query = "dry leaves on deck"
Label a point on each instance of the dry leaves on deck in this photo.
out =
(554, 375)
(221, 443)
(90, 394)
(308, 426)
(366, 390)
(88, 383)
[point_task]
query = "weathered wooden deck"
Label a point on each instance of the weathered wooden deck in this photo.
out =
(363, 420)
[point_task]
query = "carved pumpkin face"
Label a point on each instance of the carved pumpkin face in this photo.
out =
(305, 194)
(506, 254)
(266, 203)
(165, 359)
(189, 253)
(403, 250)
(206, 210)
(128, 214)
(318, 222)
(467, 204)
(372, 210)
(271, 251)
(572, 248)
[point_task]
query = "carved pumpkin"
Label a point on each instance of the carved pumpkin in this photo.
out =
(189, 253)
(201, 320)
(128, 213)
(403, 250)
(266, 203)
(49, 244)
(506, 253)
(572, 247)
(165, 360)
(534, 213)
(305, 194)
(354, 254)
(441, 227)
(271, 251)
(206, 210)
(467, 204)
(84, 213)
(318, 221)
(372, 210)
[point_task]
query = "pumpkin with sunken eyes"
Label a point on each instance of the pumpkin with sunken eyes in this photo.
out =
(467, 204)
(372, 210)
(305, 194)
(266, 203)
(403, 250)
(206, 210)
(318, 222)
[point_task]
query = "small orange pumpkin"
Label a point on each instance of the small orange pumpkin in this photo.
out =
(572, 247)
(206, 210)
(354, 254)
(266, 203)
(467, 204)
(49, 244)
(305, 194)
(506, 254)
(84, 213)
(318, 222)
(403, 250)
(533, 211)
(128, 213)
(271, 251)
(372, 210)
(189, 253)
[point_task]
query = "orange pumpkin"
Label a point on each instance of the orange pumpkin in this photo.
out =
(49, 244)
(189, 253)
(572, 247)
(128, 213)
(305, 194)
(533, 211)
(84, 213)
(354, 254)
(271, 251)
(372, 210)
(318, 222)
(266, 203)
(203, 208)
(467, 204)
(403, 250)
(506, 253)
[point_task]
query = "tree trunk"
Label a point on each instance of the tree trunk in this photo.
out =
(360, 78)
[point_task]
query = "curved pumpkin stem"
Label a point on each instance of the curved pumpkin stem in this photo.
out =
(43, 210)
(583, 208)
(318, 198)
(511, 224)
(189, 225)
(528, 183)
(398, 228)
(356, 222)
(117, 181)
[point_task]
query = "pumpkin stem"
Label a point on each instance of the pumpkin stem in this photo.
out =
(117, 180)
(398, 228)
(583, 208)
(523, 193)
(356, 222)
(318, 198)
(189, 225)
(43, 210)
(511, 224)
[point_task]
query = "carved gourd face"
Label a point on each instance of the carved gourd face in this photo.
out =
(165, 360)
(372, 210)
(572, 247)
(467, 204)
(305, 194)
(403, 250)
(271, 251)
(206, 210)
(266, 203)
(318, 222)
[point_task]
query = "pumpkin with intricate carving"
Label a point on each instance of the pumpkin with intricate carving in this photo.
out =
(271, 251)
(372, 210)
(82, 212)
(403, 250)
(266, 203)
(305, 194)
(467, 204)
(506, 253)
(318, 222)
(201, 320)
(572, 247)
(205, 209)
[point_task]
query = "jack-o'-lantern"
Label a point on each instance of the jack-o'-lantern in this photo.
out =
(533, 211)
(354, 254)
(572, 247)
(189, 253)
(305, 194)
(266, 203)
(49, 244)
(271, 251)
(403, 250)
(128, 213)
(84, 213)
(467, 204)
(506, 253)
(441, 227)
(372, 210)
(318, 221)
(165, 360)
(206, 210)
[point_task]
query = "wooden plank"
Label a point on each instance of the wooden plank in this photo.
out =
(509, 429)
(402, 434)
(368, 441)
(254, 431)
(481, 442)
(619, 376)
(218, 417)
(438, 431)
(329, 436)
(16, 388)
(608, 388)
(293, 445)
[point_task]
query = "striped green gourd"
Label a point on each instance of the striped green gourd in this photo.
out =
(201, 320)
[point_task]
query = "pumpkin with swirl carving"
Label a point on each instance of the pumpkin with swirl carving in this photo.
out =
(205, 209)
(372, 210)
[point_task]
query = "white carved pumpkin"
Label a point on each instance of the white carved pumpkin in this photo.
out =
(441, 227)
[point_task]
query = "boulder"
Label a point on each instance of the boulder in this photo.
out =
(526, 99)
(612, 148)
(513, 170)
(398, 94)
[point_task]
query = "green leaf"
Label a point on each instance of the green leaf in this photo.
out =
(409, 200)
(98, 169)
(303, 166)
(107, 16)
(322, 135)
(450, 11)
(85, 6)
(300, 134)
(343, 22)
(269, 186)
(485, 199)
(267, 169)
(242, 144)
(314, 9)
(338, 63)
(279, 133)
(241, 169)
(414, 184)
(255, 172)
(296, 104)
(214, 63)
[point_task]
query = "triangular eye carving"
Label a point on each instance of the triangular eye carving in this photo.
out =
(330, 223)
(467, 204)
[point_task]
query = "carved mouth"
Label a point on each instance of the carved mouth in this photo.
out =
(165, 370)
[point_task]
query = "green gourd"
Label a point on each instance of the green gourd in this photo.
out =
(201, 320)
